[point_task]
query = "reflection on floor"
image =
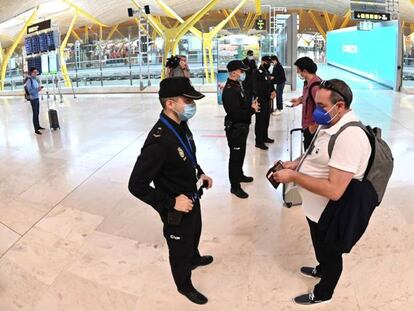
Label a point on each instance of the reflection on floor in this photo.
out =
(73, 238)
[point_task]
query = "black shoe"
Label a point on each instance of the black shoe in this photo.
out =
(195, 296)
(38, 132)
(246, 179)
(309, 299)
(262, 146)
(204, 261)
(269, 140)
(310, 272)
(238, 192)
(41, 128)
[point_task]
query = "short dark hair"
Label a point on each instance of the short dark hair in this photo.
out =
(306, 63)
(249, 53)
(274, 57)
(163, 101)
(32, 69)
(339, 91)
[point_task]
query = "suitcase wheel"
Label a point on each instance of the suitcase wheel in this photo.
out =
(288, 204)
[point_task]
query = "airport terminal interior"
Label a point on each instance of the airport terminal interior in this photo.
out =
(73, 237)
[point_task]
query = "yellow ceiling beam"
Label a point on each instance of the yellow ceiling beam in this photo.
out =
(258, 5)
(226, 14)
(171, 13)
(11, 49)
(111, 33)
(253, 21)
(327, 20)
(317, 24)
(63, 68)
(334, 21)
(167, 22)
(75, 35)
(120, 33)
(208, 40)
(346, 20)
(247, 21)
(85, 14)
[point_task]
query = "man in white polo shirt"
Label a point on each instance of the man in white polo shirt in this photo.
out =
(322, 178)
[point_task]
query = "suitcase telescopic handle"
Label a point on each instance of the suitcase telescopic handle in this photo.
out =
(296, 130)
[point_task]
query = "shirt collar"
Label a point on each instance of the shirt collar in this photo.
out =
(350, 116)
(179, 127)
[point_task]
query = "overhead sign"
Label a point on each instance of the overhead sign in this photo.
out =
(39, 26)
(372, 16)
(260, 24)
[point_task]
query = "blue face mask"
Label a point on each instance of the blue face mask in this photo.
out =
(189, 112)
(321, 116)
(242, 77)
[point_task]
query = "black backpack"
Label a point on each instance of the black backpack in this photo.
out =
(26, 91)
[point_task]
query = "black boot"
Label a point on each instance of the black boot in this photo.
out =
(204, 261)
(238, 192)
(262, 146)
(194, 296)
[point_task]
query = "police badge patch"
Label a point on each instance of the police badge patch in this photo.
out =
(181, 153)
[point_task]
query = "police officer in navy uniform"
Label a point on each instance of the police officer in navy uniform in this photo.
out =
(168, 159)
(239, 111)
(264, 89)
(248, 81)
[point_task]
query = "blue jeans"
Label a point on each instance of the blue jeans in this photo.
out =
(35, 107)
(279, 96)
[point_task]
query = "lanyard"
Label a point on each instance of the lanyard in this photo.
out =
(188, 149)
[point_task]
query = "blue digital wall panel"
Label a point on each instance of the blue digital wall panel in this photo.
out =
(372, 54)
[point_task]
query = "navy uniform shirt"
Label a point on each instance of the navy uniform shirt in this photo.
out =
(163, 160)
(262, 83)
(235, 104)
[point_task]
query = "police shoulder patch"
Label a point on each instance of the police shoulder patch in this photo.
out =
(157, 132)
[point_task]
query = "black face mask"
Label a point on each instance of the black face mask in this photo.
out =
(266, 66)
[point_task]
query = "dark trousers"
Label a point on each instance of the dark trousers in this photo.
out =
(183, 240)
(307, 138)
(262, 120)
(279, 95)
(35, 108)
(236, 139)
(330, 263)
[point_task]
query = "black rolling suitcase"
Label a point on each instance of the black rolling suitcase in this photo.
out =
(291, 195)
(53, 119)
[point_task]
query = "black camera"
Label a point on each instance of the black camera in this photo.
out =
(173, 62)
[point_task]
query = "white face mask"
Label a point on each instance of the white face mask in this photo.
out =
(250, 57)
(301, 77)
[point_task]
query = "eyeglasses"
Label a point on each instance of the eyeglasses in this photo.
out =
(326, 84)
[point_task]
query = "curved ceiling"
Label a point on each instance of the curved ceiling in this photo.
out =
(112, 12)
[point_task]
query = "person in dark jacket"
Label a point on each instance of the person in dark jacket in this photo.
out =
(325, 177)
(248, 81)
(279, 79)
(265, 91)
(238, 118)
(168, 159)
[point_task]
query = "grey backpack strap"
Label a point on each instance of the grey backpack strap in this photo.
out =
(344, 127)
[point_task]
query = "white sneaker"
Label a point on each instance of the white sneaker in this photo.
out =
(277, 113)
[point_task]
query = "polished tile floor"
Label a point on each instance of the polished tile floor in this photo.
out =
(73, 238)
